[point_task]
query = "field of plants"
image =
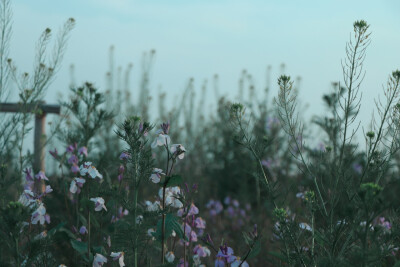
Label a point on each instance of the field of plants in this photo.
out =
(117, 182)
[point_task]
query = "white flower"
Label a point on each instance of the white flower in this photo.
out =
(152, 206)
(196, 260)
(99, 203)
(305, 226)
(77, 181)
(161, 140)
(139, 219)
(87, 168)
(39, 215)
(118, 256)
(170, 257)
(150, 233)
(99, 260)
(155, 177)
(178, 150)
(171, 194)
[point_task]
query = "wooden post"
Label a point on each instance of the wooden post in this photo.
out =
(40, 129)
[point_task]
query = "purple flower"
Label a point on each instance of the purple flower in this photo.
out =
(124, 156)
(41, 176)
(83, 230)
(73, 159)
(71, 148)
(201, 251)
(40, 215)
(82, 151)
(357, 168)
(182, 263)
(200, 223)
(28, 175)
(74, 168)
(226, 253)
(193, 210)
(54, 153)
(165, 127)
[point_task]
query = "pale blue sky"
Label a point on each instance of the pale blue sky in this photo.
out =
(200, 38)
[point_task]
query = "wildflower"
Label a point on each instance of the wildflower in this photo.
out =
(62, 265)
(124, 156)
(41, 176)
(201, 251)
(99, 203)
(152, 206)
(54, 153)
(178, 150)
(200, 223)
(196, 260)
(87, 168)
(77, 182)
(161, 140)
(118, 256)
(150, 233)
(73, 159)
(83, 230)
(164, 128)
(182, 263)
(83, 151)
(238, 263)
(108, 241)
(171, 194)
(139, 219)
(193, 210)
(225, 253)
(169, 256)
(155, 177)
(41, 235)
(305, 226)
(99, 260)
(74, 168)
(71, 148)
(40, 215)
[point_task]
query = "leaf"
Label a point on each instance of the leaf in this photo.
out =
(256, 249)
(278, 255)
(174, 180)
(171, 224)
(79, 246)
(55, 229)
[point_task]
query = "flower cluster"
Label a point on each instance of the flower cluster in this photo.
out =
(33, 196)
